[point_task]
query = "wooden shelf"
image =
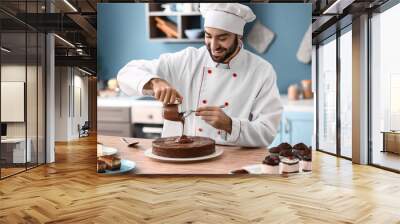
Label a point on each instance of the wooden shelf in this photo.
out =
(176, 40)
(156, 18)
(161, 13)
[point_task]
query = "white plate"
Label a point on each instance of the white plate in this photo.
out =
(105, 150)
(126, 166)
(150, 154)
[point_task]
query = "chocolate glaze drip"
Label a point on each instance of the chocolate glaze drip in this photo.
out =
(183, 139)
(170, 112)
(182, 119)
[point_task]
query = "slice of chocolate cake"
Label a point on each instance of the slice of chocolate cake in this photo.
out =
(112, 162)
(101, 166)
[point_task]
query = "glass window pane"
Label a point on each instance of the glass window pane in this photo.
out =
(327, 96)
(346, 94)
(386, 89)
(13, 86)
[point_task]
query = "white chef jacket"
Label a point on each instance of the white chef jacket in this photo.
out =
(247, 86)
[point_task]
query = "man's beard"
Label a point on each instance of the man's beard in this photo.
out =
(228, 52)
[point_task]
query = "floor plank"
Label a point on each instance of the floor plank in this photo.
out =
(70, 191)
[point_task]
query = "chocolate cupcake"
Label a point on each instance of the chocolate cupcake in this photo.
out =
(300, 150)
(289, 162)
(286, 153)
(285, 146)
(271, 165)
(300, 146)
(306, 163)
(271, 160)
(274, 151)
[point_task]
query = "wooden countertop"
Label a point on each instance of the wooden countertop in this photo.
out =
(233, 158)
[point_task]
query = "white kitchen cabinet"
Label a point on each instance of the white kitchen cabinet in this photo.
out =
(114, 121)
(129, 116)
(297, 122)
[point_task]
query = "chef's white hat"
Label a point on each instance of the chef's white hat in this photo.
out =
(226, 16)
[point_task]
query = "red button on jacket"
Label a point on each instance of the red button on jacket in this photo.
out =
(209, 71)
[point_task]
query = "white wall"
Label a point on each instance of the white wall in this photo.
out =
(71, 94)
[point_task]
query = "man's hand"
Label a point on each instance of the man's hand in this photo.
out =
(215, 117)
(163, 91)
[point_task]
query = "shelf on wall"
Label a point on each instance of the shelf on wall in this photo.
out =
(175, 40)
(162, 13)
(170, 26)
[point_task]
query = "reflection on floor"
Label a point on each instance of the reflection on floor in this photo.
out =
(387, 159)
(70, 191)
(10, 169)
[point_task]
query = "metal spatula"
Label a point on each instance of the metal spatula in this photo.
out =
(130, 144)
(187, 113)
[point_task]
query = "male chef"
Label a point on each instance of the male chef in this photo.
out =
(233, 91)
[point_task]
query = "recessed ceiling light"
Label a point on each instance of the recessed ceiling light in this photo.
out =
(70, 5)
(338, 6)
(84, 71)
(5, 50)
(64, 40)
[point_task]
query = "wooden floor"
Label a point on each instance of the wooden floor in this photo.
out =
(70, 191)
(10, 171)
(387, 159)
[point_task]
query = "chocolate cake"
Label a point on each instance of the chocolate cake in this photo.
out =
(183, 147)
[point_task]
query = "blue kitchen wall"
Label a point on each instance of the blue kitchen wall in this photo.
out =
(122, 36)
